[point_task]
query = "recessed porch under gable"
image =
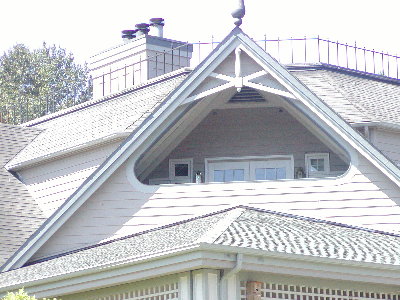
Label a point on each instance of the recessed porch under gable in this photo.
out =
(226, 138)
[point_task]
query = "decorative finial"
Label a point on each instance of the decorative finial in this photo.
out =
(239, 12)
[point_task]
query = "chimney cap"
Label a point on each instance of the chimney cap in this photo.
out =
(157, 21)
(129, 31)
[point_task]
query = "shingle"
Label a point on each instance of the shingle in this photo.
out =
(239, 227)
(356, 98)
(19, 213)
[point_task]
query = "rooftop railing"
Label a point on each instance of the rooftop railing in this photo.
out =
(319, 50)
(287, 51)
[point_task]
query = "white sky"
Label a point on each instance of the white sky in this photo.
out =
(86, 27)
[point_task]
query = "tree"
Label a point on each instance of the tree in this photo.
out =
(38, 82)
(21, 295)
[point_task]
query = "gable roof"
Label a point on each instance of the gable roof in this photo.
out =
(19, 214)
(234, 40)
(114, 116)
(239, 227)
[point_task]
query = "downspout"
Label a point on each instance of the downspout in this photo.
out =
(224, 279)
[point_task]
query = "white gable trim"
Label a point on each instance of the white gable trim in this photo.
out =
(309, 102)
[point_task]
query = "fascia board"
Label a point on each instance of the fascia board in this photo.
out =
(321, 109)
(256, 260)
(65, 211)
(130, 271)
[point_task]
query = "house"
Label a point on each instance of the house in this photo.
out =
(241, 178)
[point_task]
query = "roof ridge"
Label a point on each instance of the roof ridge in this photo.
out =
(222, 225)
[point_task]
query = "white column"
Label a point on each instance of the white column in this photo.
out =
(206, 285)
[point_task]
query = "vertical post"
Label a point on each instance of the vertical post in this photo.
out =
(253, 290)
(133, 74)
(383, 67)
(319, 53)
(206, 284)
(265, 42)
(279, 54)
(110, 80)
(164, 63)
(125, 75)
(305, 49)
(347, 57)
(337, 53)
(291, 45)
(388, 64)
(365, 61)
(397, 67)
(373, 59)
(104, 82)
(199, 54)
(355, 53)
(187, 55)
(172, 60)
(156, 64)
(328, 49)
(185, 286)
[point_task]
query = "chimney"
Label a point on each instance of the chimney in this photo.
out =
(141, 57)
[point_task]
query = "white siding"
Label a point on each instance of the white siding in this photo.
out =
(53, 182)
(364, 197)
(248, 132)
(388, 142)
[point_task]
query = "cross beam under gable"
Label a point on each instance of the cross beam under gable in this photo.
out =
(232, 82)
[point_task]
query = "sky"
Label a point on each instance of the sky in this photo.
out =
(86, 27)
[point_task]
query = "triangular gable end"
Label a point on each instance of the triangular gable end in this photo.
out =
(275, 79)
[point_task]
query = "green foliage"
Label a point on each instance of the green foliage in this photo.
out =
(38, 82)
(21, 295)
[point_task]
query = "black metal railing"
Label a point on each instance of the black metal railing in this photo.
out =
(286, 51)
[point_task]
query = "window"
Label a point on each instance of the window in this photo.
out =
(249, 168)
(317, 164)
(181, 170)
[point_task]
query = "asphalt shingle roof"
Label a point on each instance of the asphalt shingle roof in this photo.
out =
(120, 113)
(19, 214)
(356, 98)
(239, 227)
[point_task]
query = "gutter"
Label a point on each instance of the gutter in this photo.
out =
(205, 255)
(223, 286)
(383, 125)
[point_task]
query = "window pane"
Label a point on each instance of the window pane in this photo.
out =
(181, 170)
(270, 174)
(228, 175)
(316, 164)
(238, 175)
(260, 174)
(280, 173)
(218, 176)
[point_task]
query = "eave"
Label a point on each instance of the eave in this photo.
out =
(212, 256)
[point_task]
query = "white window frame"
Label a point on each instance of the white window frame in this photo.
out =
(181, 179)
(252, 162)
(325, 157)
